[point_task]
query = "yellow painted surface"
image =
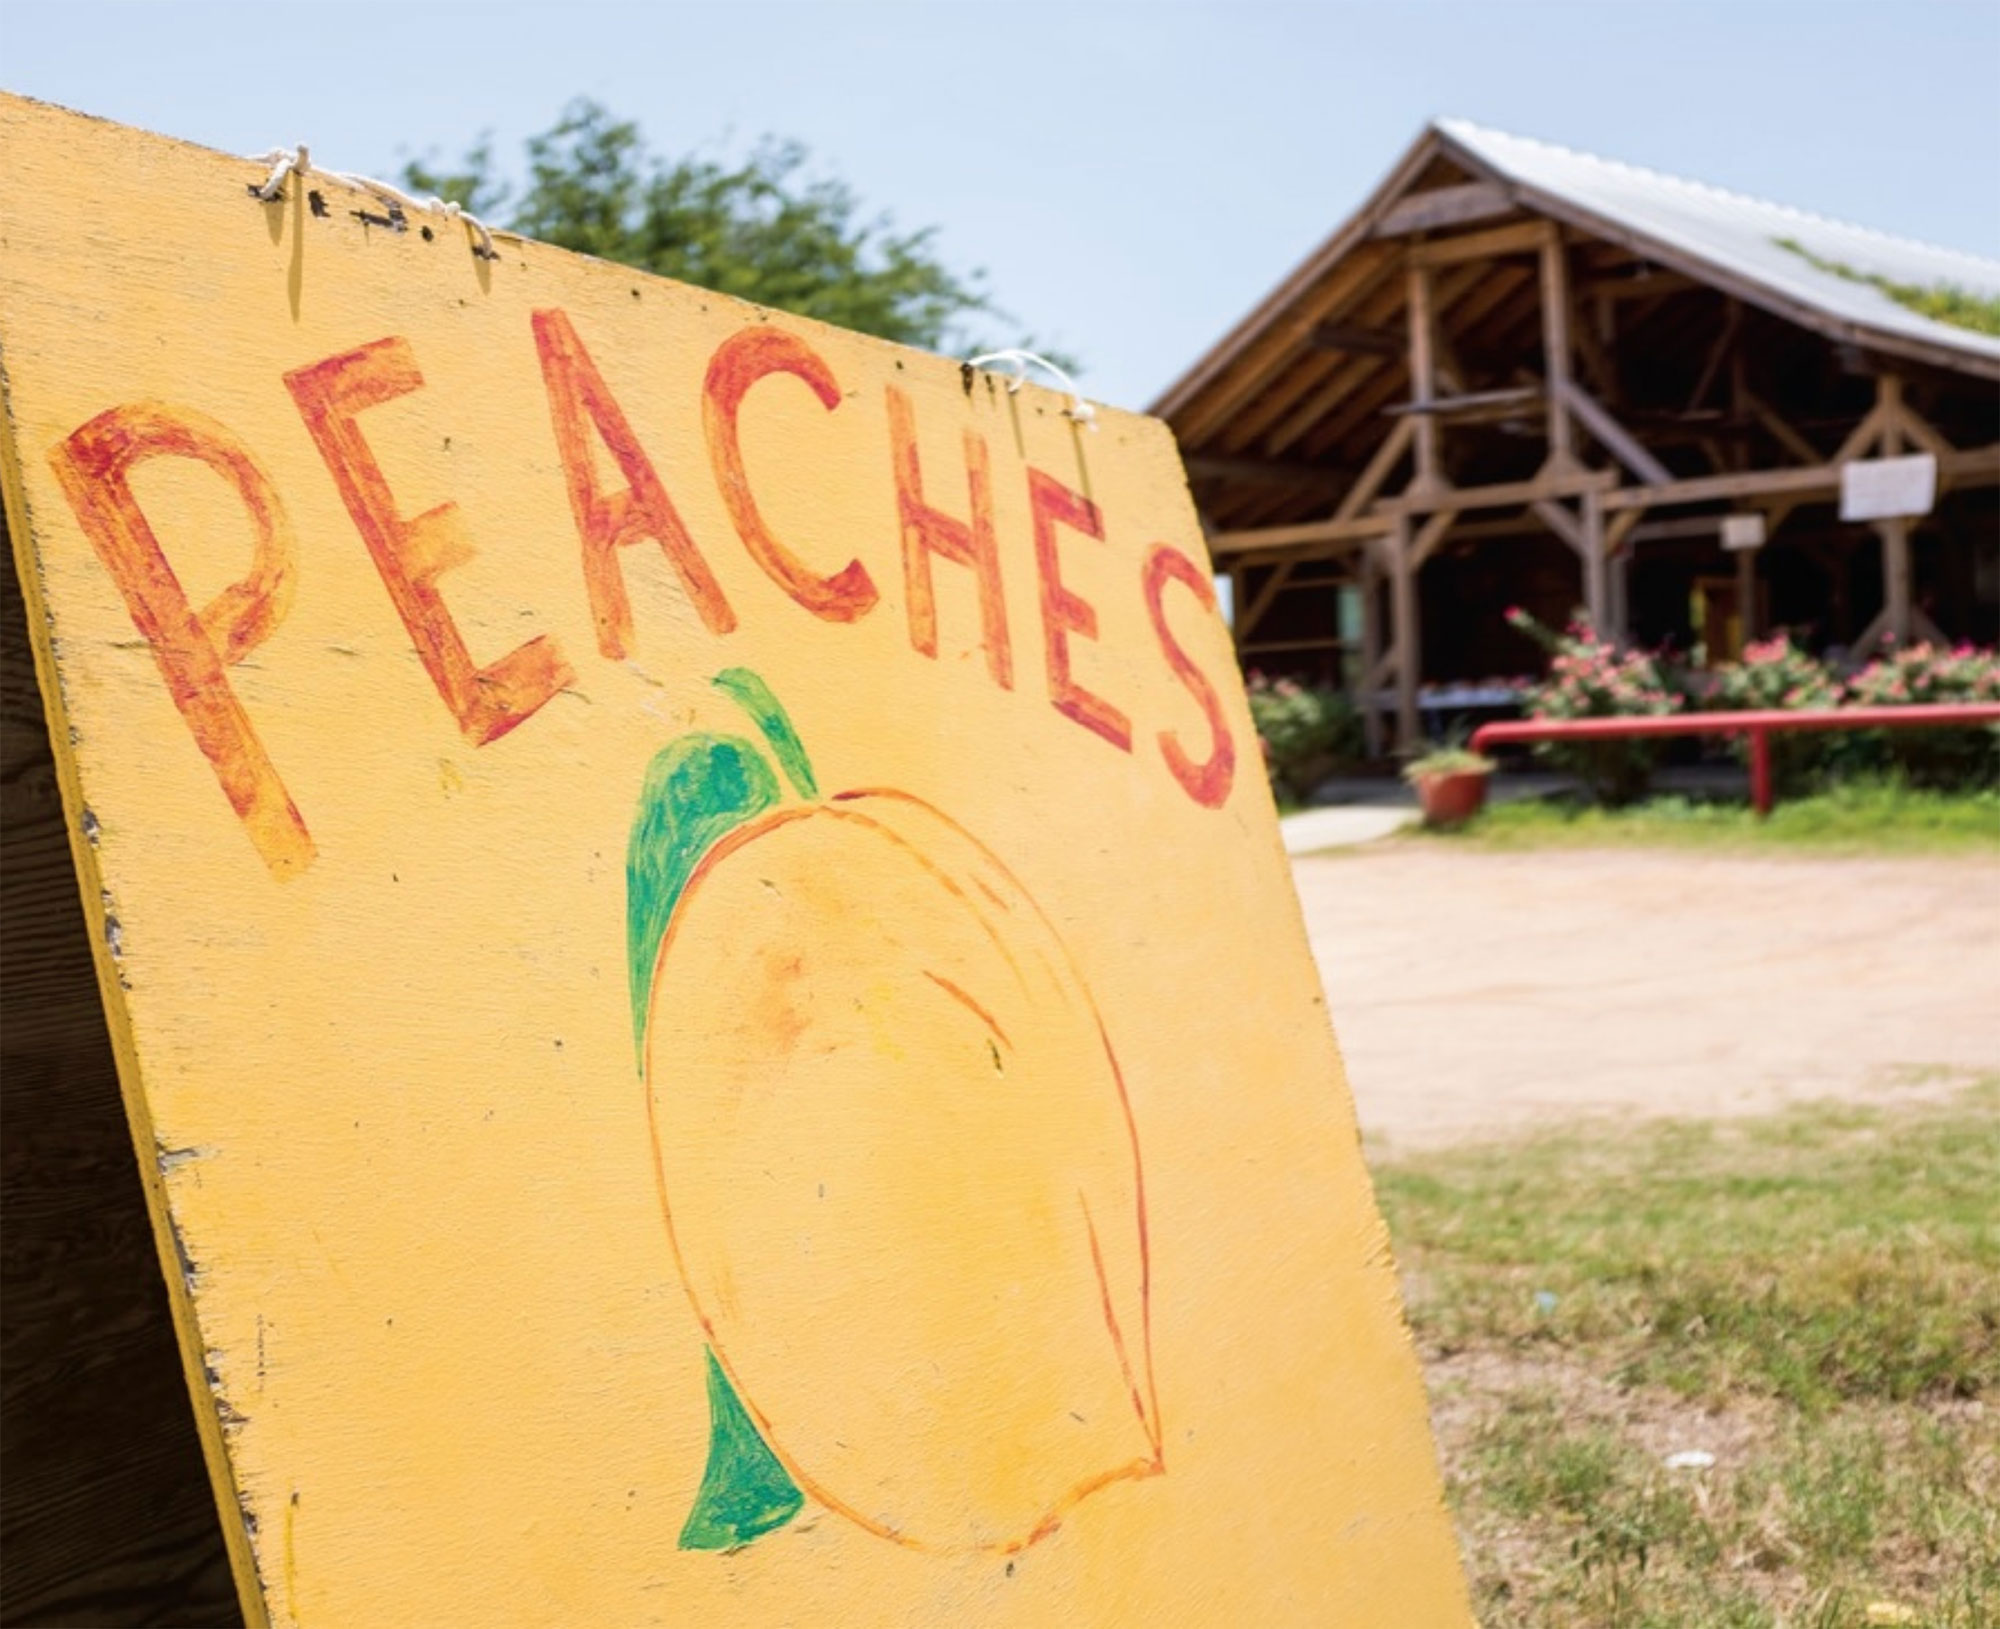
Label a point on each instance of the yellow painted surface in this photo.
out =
(980, 1114)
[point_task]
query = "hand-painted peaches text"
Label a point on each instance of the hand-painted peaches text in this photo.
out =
(195, 648)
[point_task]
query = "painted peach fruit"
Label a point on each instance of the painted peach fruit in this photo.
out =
(899, 1172)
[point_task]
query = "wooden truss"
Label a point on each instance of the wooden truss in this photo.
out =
(1598, 479)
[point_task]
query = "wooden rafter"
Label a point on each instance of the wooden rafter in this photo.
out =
(1354, 336)
(1333, 412)
(1350, 281)
(1444, 206)
(1312, 369)
(1617, 440)
(1263, 471)
(1524, 238)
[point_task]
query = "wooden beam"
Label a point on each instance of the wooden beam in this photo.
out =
(1473, 402)
(1914, 426)
(1711, 488)
(1555, 349)
(1354, 529)
(1973, 466)
(1371, 649)
(1250, 370)
(1312, 371)
(1523, 238)
(1593, 347)
(1779, 431)
(1670, 531)
(1869, 431)
(1276, 647)
(1649, 285)
(1968, 466)
(1274, 585)
(1423, 377)
(1429, 535)
(1895, 532)
(1376, 471)
(1560, 521)
(1353, 336)
(1261, 471)
(1403, 621)
(1336, 407)
(1585, 535)
(1746, 595)
(1732, 316)
(1443, 206)
(1596, 597)
(1504, 495)
(1616, 438)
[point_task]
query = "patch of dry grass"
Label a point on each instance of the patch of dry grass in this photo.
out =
(1812, 1299)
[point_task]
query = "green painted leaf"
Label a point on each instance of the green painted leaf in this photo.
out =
(697, 790)
(745, 1492)
(754, 696)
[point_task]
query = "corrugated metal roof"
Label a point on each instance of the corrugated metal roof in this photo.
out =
(1741, 237)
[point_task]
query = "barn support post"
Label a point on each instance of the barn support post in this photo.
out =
(1618, 545)
(1404, 631)
(1596, 568)
(1894, 532)
(1746, 595)
(1555, 348)
(1618, 569)
(1371, 648)
(1895, 536)
(1423, 376)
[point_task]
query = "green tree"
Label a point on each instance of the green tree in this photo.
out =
(762, 230)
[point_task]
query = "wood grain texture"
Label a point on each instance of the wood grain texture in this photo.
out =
(105, 1512)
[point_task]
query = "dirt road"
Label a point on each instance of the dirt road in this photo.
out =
(1477, 994)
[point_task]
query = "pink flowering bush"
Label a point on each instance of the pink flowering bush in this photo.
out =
(1307, 731)
(1926, 673)
(1589, 677)
(1775, 674)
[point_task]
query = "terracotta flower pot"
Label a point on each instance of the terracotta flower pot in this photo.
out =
(1452, 798)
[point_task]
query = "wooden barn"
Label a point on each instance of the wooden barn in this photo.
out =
(1521, 375)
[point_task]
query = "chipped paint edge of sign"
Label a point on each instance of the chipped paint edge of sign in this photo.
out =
(100, 918)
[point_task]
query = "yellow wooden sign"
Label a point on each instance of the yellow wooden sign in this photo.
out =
(696, 940)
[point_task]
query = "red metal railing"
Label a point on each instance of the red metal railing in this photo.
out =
(1758, 725)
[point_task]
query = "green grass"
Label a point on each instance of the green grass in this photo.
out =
(1815, 1297)
(1942, 302)
(1868, 816)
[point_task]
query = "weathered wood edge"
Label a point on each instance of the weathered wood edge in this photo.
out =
(90, 883)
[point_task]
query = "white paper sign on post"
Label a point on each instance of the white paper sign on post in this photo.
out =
(1886, 488)
(1742, 532)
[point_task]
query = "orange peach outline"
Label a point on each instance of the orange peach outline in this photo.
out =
(1135, 1470)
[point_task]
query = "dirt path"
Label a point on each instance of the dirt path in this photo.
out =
(1479, 994)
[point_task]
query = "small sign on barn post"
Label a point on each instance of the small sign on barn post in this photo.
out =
(695, 940)
(1742, 532)
(1888, 488)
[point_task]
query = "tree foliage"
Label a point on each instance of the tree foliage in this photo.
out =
(764, 229)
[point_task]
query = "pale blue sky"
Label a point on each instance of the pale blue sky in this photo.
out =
(1132, 177)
